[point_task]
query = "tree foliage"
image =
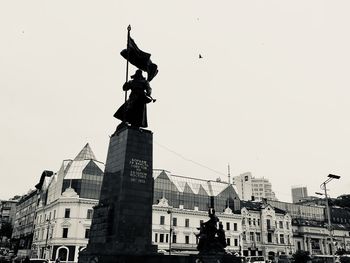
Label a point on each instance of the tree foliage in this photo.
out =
(301, 256)
(6, 230)
(342, 201)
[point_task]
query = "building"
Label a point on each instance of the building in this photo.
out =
(65, 207)
(267, 231)
(250, 188)
(22, 234)
(299, 193)
(182, 203)
(310, 226)
(300, 211)
(314, 237)
(7, 218)
(7, 211)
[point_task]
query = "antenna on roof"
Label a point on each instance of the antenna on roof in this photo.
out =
(228, 174)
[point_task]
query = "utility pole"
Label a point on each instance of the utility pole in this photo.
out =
(323, 186)
(47, 236)
(171, 229)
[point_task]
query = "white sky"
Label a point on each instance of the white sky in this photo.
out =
(270, 96)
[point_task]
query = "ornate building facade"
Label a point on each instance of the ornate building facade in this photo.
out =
(65, 207)
(267, 231)
(182, 203)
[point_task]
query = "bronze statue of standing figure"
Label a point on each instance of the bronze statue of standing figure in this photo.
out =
(134, 110)
(211, 239)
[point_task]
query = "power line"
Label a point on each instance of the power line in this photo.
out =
(189, 160)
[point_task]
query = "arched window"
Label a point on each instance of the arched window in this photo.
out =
(63, 253)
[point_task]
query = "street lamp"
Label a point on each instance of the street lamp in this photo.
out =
(47, 236)
(171, 229)
(323, 186)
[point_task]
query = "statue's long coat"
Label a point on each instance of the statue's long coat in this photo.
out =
(134, 110)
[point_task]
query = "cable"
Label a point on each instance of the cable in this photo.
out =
(189, 160)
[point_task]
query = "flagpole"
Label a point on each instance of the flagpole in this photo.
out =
(127, 61)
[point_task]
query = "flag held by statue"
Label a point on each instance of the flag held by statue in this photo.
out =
(140, 59)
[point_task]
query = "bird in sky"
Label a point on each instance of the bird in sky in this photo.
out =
(200, 56)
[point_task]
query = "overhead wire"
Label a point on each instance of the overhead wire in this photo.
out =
(189, 160)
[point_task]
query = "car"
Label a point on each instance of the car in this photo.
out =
(255, 259)
(39, 260)
(284, 259)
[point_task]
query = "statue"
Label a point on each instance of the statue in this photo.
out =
(134, 110)
(221, 235)
(211, 239)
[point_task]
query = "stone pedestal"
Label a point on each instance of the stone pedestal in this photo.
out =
(122, 221)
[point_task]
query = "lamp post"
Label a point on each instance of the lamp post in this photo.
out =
(323, 186)
(47, 235)
(171, 229)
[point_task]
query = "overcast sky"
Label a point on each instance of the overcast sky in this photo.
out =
(269, 96)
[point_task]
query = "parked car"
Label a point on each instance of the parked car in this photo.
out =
(39, 260)
(255, 259)
(284, 259)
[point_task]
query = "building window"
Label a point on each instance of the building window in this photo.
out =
(65, 232)
(54, 214)
(249, 221)
(251, 236)
(276, 237)
(67, 213)
(161, 238)
(174, 221)
(269, 237)
(268, 223)
(187, 222)
(299, 245)
(227, 225)
(258, 238)
(187, 239)
(234, 226)
(244, 236)
(243, 221)
(89, 213)
(228, 241)
(236, 242)
(281, 224)
(156, 237)
(254, 221)
(166, 238)
(287, 224)
(87, 233)
(281, 238)
(174, 238)
(162, 220)
(258, 222)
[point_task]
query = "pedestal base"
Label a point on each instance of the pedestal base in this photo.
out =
(122, 221)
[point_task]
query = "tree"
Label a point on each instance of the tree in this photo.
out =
(344, 259)
(6, 230)
(301, 256)
(343, 201)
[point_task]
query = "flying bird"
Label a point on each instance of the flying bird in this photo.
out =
(200, 56)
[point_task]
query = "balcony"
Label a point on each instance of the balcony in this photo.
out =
(271, 228)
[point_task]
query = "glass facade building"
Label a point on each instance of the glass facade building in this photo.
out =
(84, 174)
(194, 194)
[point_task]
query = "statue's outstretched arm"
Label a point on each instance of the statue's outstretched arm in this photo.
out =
(126, 86)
